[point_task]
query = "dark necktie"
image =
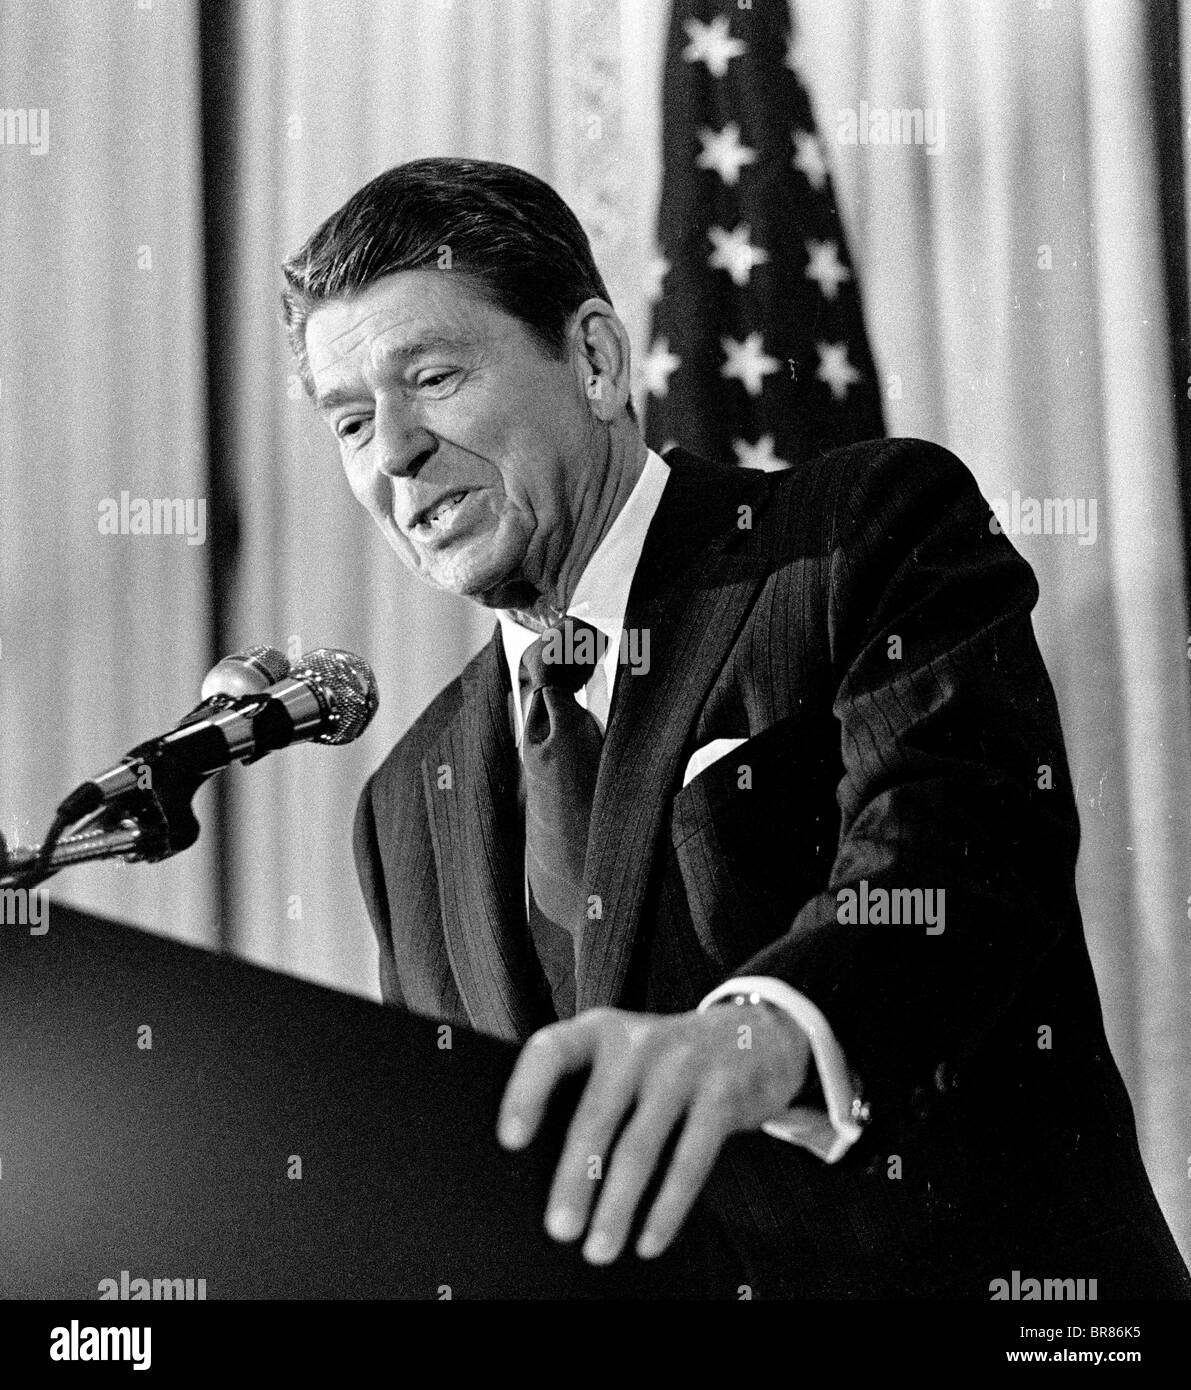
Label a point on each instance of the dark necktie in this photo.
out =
(561, 756)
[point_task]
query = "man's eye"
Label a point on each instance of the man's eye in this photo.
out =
(348, 429)
(435, 378)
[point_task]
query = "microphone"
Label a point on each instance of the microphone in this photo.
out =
(243, 673)
(328, 697)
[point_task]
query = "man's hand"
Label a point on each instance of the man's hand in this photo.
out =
(729, 1068)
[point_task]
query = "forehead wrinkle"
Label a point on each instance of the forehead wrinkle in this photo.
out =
(375, 359)
(341, 344)
(347, 339)
(385, 353)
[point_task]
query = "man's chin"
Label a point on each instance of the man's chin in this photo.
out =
(489, 585)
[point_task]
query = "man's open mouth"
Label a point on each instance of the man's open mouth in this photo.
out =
(441, 511)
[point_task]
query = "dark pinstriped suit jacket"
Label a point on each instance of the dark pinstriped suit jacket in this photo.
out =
(773, 602)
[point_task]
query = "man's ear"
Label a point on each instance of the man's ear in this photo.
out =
(600, 351)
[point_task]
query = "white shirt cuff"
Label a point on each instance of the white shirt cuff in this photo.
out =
(831, 1133)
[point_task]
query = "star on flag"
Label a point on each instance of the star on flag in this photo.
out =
(655, 273)
(747, 362)
(723, 152)
(735, 253)
(759, 455)
(712, 44)
(825, 267)
(808, 158)
(657, 367)
(835, 369)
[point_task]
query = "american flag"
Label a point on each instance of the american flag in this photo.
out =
(758, 352)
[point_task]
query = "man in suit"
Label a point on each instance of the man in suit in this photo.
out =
(755, 809)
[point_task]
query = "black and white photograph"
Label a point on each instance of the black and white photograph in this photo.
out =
(688, 503)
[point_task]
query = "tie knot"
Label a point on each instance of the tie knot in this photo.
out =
(564, 656)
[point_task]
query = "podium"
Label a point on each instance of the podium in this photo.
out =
(171, 1114)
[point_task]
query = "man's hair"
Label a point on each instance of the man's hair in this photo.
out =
(510, 235)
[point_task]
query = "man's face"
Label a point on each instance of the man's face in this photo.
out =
(465, 442)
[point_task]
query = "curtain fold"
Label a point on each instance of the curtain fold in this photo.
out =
(103, 637)
(1146, 563)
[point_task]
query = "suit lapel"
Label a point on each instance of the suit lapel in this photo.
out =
(691, 594)
(478, 841)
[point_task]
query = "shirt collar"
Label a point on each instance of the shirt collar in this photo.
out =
(602, 594)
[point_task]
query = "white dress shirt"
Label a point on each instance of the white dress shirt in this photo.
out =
(600, 599)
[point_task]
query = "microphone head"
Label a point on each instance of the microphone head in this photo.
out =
(347, 685)
(249, 672)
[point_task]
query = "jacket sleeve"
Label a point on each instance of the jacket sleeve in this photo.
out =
(368, 868)
(955, 781)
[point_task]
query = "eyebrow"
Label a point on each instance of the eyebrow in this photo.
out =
(338, 395)
(345, 395)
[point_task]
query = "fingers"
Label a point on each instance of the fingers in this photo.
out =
(698, 1148)
(549, 1055)
(606, 1099)
(635, 1161)
(648, 1076)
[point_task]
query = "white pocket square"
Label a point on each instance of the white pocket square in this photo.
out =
(710, 753)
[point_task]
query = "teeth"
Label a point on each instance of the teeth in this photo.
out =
(444, 506)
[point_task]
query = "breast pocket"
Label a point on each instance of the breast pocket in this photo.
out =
(755, 835)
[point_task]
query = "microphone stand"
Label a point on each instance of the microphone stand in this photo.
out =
(120, 842)
(330, 696)
(151, 826)
(145, 824)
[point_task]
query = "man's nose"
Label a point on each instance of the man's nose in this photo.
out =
(403, 444)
